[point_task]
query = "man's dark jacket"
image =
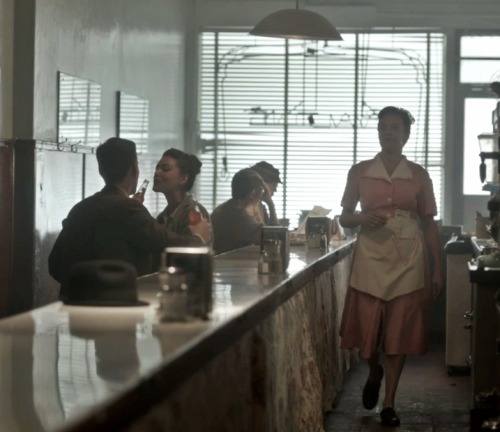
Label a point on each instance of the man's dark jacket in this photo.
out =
(109, 225)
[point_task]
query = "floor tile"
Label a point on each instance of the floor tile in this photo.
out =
(428, 399)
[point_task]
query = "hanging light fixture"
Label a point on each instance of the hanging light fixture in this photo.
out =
(296, 24)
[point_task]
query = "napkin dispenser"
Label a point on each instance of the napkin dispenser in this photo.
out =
(317, 231)
(278, 233)
(197, 264)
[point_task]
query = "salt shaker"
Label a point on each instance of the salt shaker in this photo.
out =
(270, 260)
(323, 241)
(263, 266)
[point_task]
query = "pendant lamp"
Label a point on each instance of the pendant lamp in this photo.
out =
(296, 24)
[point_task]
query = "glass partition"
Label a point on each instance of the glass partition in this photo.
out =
(133, 120)
(79, 110)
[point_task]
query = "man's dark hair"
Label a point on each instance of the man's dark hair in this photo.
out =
(404, 114)
(188, 164)
(244, 182)
(115, 156)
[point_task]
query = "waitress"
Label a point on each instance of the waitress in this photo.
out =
(398, 245)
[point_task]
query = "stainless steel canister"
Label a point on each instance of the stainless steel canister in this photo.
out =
(317, 228)
(278, 233)
(172, 297)
(197, 264)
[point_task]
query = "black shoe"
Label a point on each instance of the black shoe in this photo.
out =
(389, 417)
(372, 388)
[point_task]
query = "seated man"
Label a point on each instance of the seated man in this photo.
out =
(271, 177)
(110, 225)
(233, 224)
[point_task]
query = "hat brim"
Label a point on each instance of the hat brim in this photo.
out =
(100, 303)
(270, 179)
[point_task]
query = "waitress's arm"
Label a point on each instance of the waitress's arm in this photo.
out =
(433, 244)
(351, 219)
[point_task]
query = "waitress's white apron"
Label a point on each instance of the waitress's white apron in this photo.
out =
(389, 261)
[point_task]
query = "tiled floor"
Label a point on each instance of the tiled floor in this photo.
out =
(428, 400)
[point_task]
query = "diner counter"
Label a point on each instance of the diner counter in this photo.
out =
(268, 359)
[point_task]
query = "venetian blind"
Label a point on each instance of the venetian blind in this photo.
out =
(310, 109)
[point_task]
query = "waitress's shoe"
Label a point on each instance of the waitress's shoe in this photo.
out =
(389, 417)
(371, 389)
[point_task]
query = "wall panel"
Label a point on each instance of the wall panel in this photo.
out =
(6, 198)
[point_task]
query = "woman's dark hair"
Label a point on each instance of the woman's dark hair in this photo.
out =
(189, 165)
(404, 114)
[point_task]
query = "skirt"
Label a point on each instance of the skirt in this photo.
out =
(393, 327)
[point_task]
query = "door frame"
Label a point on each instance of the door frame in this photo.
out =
(464, 91)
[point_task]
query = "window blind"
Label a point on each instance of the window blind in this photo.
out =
(310, 108)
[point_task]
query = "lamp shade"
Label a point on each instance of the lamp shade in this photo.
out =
(296, 24)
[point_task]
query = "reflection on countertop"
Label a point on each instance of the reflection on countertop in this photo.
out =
(60, 363)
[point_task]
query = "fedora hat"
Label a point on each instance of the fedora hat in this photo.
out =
(103, 283)
(268, 172)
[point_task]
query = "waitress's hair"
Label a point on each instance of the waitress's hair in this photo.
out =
(404, 114)
(188, 164)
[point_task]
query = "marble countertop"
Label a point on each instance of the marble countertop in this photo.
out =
(63, 366)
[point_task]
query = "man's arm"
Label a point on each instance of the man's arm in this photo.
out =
(148, 232)
(266, 197)
(57, 263)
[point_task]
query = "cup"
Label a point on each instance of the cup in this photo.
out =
(284, 222)
(482, 223)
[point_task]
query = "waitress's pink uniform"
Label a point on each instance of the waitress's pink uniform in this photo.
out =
(389, 286)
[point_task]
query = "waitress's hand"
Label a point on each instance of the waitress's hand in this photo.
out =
(373, 219)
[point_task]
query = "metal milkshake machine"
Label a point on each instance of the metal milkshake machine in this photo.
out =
(485, 279)
(489, 172)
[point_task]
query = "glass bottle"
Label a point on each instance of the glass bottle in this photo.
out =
(194, 216)
(144, 186)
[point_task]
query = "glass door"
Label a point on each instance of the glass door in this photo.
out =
(475, 105)
(478, 66)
